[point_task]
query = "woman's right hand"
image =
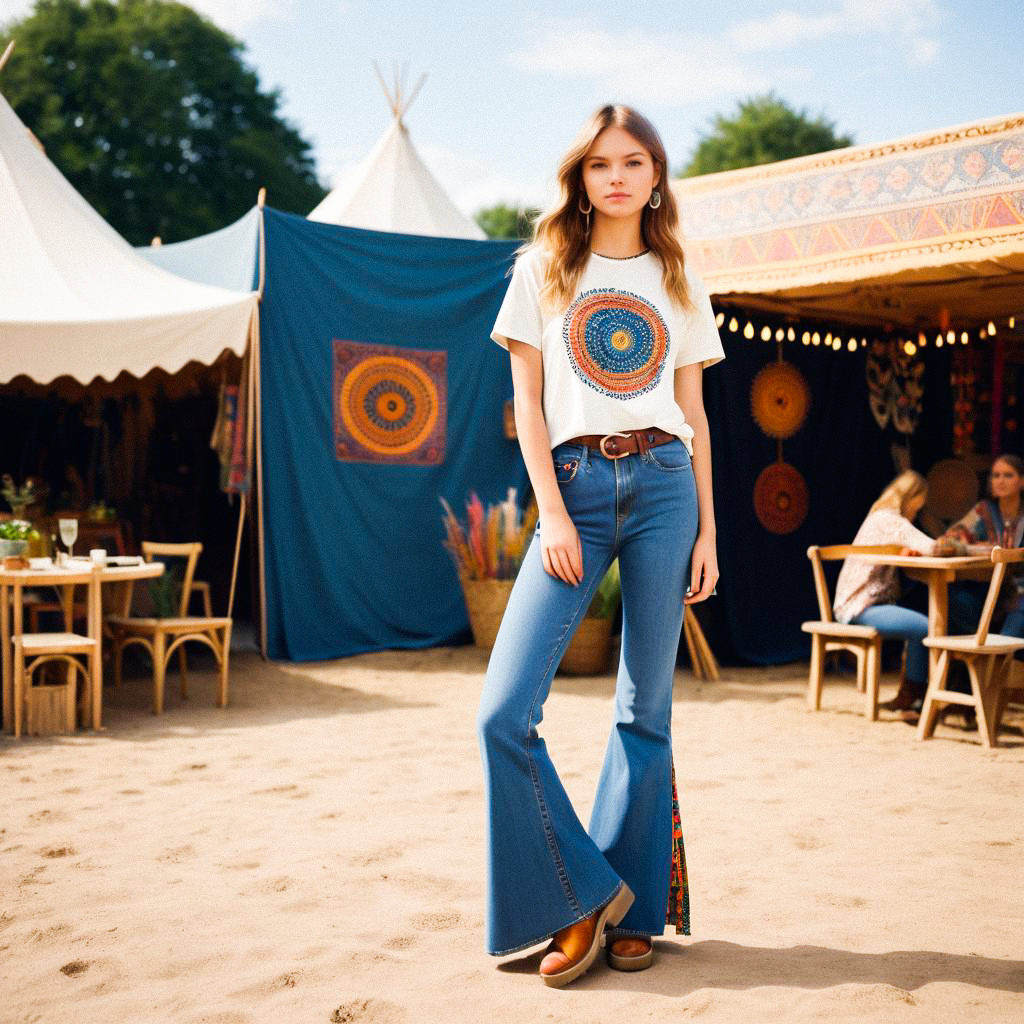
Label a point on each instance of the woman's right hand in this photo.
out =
(560, 548)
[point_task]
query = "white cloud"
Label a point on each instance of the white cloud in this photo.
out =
(905, 19)
(642, 66)
(923, 50)
(677, 67)
(11, 9)
(473, 182)
(235, 15)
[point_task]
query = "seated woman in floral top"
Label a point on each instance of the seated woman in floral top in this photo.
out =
(995, 520)
(867, 594)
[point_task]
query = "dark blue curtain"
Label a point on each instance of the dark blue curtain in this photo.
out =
(353, 549)
(766, 589)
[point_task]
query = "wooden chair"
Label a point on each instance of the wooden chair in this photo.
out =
(162, 637)
(989, 659)
(50, 709)
(864, 642)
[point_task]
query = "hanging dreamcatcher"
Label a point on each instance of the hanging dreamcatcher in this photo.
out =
(895, 386)
(779, 401)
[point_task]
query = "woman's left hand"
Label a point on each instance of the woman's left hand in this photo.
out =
(704, 561)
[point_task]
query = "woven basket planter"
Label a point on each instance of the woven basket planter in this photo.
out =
(590, 648)
(485, 602)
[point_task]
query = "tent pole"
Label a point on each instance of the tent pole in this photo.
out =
(238, 552)
(256, 421)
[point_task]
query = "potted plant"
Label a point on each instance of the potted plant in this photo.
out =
(590, 648)
(487, 552)
(15, 535)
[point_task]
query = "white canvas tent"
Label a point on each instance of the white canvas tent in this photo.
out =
(392, 189)
(76, 299)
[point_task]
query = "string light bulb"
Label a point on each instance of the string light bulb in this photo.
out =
(909, 347)
(780, 334)
(991, 327)
(950, 336)
(791, 335)
(1012, 323)
(851, 345)
(766, 333)
(938, 341)
(720, 319)
(805, 338)
(815, 338)
(734, 325)
(963, 338)
(748, 331)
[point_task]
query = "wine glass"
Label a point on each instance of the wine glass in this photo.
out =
(69, 533)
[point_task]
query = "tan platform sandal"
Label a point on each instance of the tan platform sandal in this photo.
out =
(639, 962)
(610, 914)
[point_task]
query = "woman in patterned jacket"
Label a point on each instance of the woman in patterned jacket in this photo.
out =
(998, 519)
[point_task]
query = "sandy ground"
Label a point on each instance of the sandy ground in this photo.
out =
(314, 854)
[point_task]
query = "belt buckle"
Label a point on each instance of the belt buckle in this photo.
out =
(607, 455)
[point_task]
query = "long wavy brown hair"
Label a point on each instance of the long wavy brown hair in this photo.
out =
(562, 232)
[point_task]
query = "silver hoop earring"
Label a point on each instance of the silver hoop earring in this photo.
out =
(655, 201)
(590, 206)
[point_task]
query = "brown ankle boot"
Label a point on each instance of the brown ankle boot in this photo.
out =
(905, 697)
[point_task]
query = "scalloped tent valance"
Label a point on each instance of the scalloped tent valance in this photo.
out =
(876, 234)
(76, 299)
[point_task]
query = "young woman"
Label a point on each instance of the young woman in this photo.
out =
(866, 594)
(608, 329)
(998, 519)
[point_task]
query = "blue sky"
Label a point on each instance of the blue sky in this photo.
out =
(509, 84)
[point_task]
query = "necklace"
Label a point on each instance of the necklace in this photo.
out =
(633, 257)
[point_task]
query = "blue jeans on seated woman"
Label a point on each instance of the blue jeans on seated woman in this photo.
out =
(893, 620)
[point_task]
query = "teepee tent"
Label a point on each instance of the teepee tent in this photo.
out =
(392, 189)
(76, 299)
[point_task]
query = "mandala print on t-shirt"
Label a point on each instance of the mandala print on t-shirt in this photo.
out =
(617, 342)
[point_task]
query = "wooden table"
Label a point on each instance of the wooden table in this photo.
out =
(52, 578)
(937, 572)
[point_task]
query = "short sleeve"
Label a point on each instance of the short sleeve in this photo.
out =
(519, 317)
(699, 341)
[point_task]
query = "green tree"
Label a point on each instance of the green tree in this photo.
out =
(151, 113)
(504, 221)
(763, 129)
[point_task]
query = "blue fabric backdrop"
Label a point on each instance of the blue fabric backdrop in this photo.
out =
(354, 560)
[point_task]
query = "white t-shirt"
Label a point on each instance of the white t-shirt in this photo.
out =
(609, 358)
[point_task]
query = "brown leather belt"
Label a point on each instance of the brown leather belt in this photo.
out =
(616, 444)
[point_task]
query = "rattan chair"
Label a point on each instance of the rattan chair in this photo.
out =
(989, 659)
(163, 636)
(864, 642)
(46, 709)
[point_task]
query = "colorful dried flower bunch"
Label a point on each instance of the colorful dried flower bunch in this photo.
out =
(491, 545)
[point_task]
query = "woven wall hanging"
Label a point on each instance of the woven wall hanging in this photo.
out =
(895, 387)
(779, 400)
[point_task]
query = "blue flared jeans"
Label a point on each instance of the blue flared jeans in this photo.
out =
(545, 871)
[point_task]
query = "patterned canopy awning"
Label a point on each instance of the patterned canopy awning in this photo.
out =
(880, 234)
